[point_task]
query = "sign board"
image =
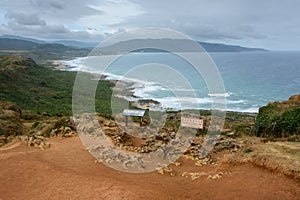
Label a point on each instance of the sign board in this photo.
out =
(191, 121)
(133, 112)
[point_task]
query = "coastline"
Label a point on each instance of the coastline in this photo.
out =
(58, 65)
(126, 89)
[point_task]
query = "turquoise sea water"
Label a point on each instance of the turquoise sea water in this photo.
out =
(251, 79)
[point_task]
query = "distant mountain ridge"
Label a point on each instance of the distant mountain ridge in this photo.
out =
(39, 50)
(17, 44)
(22, 38)
(67, 43)
(11, 42)
(76, 44)
(174, 45)
(217, 47)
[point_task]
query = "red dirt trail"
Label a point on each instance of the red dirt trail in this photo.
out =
(68, 171)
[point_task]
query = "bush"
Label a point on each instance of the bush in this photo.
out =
(278, 120)
(248, 150)
(242, 129)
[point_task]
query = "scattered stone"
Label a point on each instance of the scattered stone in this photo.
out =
(204, 161)
(230, 134)
(44, 145)
(35, 141)
(177, 163)
(164, 170)
(185, 174)
(196, 175)
(216, 176)
(111, 124)
(161, 171)
(187, 156)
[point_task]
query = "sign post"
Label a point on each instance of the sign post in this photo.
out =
(132, 113)
(191, 120)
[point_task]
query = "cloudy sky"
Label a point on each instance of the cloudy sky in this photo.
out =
(271, 24)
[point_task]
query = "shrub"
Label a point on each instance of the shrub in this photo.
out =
(278, 120)
(248, 150)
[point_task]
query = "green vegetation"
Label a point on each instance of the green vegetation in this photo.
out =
(42, 90)
(279, 120)
(242, 128)
(10, 122)
(276, 156)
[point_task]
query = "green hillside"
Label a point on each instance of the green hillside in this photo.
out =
(41, 53)
(279, 119)
(43, 90)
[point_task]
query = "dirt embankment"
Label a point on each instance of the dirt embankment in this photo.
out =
(68, 171)
(60, 167)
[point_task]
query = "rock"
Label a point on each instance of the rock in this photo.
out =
(24, 139)
(53, 133)
(186, 156)
(67, 129)
(161, 171)
(165, 169)
(68, 132)
(185, 174)
(30, 141)
(111, 124)
(204, 161)
(44, 145)
(230, 134)
(168, 169)
(215, 176)
(35, 141)
(197, 175)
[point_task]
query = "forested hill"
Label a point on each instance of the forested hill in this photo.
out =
(43, 90)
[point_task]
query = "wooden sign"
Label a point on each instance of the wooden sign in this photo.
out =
(191, 121)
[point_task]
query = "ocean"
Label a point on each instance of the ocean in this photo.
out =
(251, 79)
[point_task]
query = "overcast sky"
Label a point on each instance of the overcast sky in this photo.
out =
(271, 24)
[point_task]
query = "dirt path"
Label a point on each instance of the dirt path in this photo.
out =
(68, 171)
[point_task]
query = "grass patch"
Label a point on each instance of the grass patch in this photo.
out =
(283, 157)
(44, 91)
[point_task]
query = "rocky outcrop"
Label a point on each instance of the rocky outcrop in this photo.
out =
(128, 154)
(41, 131)
(35, 141)
(63, 126)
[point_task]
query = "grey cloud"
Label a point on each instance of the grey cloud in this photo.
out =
(47, 19)
(62, 11)
(235, 21)
(57, 5)
(52, 4)
(26, 19)
(50, 32)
